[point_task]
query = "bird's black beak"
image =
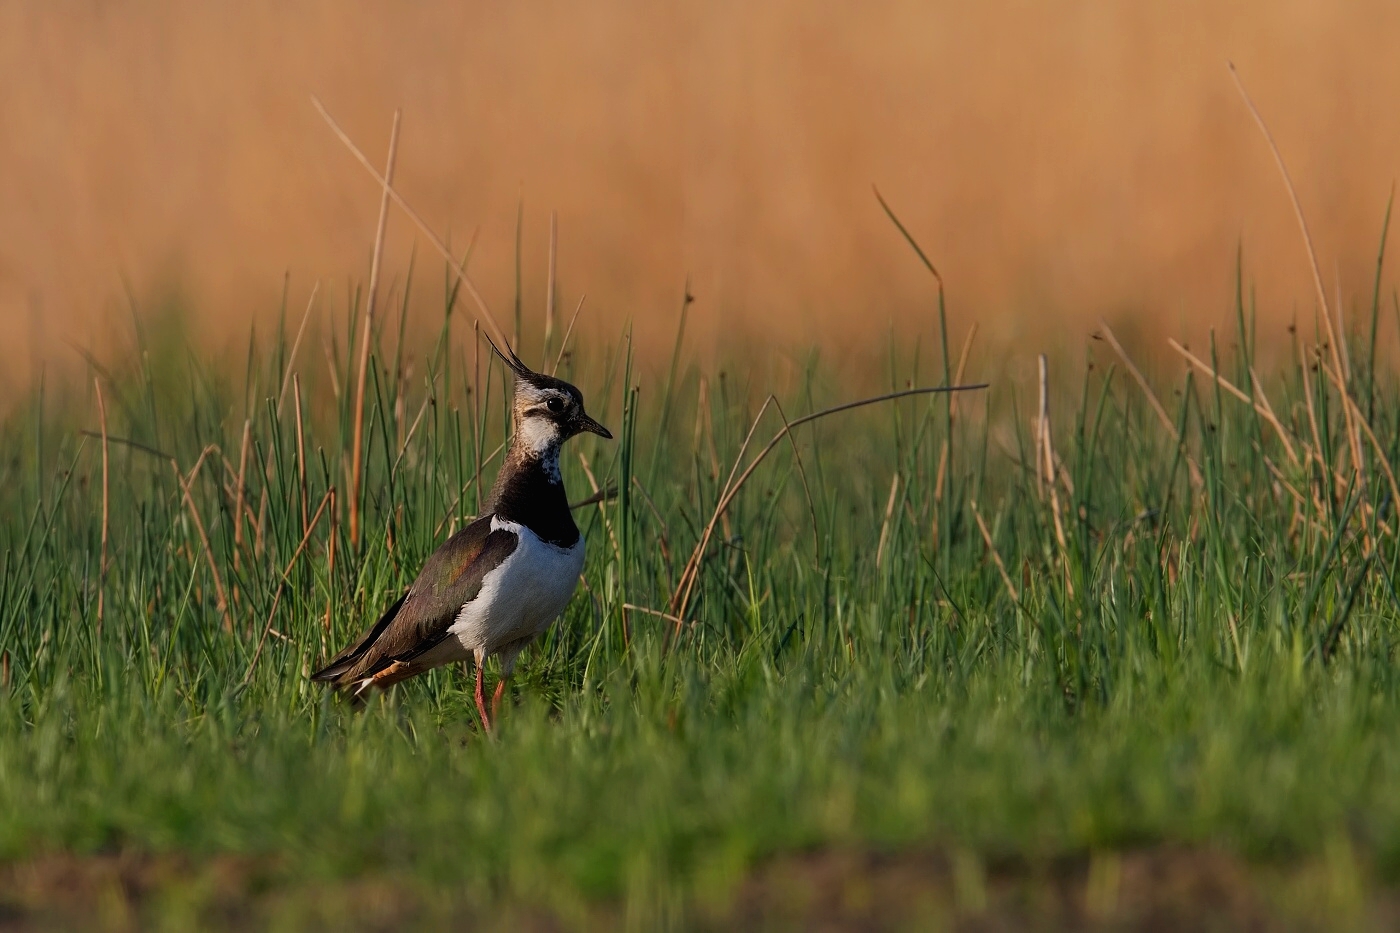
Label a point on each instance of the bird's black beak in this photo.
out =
(586, 423)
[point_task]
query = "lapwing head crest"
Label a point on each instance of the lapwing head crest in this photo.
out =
(548, 410)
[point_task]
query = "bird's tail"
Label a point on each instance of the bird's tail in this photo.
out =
(338, 671)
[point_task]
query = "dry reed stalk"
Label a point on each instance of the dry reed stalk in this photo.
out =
(602, 512)
(1042, 415)
(330, 366)
(939, 483)
(301, 453)
(692, 566)
(1315, 451)
(358, 426)
(553, 279)
(1341, 324)
(1263, 408)
(1162, 415)
(802, 475)
(677, 621)
(1046, 449)
(102, 556)
(708, 425)
(885, 525)
(296, 346)
(680, 600)
(996, 558)
(412, 430)
(1054, 470)
(1283, 481)
(477, 429)
(1375, 445)
(258, 543)
(418, 221)
(240, 491)
(330, 566)
(203, 536)
(564, 344)
(450, 517)
(1262, 397)
(962, 361)
(1353, 434)
(603, 495)
(665, 542)
(328, 498)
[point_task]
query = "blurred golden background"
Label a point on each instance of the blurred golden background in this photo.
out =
(1058, 159)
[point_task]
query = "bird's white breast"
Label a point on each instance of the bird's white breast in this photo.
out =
(523, 596)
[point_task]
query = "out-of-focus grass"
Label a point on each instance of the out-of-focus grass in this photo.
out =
(1191, 645)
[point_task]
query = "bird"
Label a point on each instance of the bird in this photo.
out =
(499, 583)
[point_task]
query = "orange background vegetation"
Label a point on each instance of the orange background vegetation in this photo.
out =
(1059, 159)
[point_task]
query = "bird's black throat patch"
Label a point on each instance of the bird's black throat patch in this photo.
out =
(529, 493)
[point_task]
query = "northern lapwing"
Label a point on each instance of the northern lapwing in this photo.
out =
(499, 583)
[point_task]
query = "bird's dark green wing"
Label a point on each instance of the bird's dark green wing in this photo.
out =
(420, 619)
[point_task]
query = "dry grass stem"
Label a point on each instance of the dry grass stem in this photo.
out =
(296, 346)
(802, 475)
(327, 499)
(358, 424)
(1333, 338)
(1381, 457)
(564, 344)
(553, 283)
(219, 591)
(418, 222)
(678, 622)
(301, 454)
(681, 598)
(1315, 452)
(1260, 404)
(1162, 415)
(240, 491)
(1046, 451)
(451, 516)
(602, 512)
(102, 556)
(940, 480)
(885, 525)
(996, 558)
(330, 367)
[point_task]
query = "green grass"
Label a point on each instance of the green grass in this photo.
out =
(1200, 664)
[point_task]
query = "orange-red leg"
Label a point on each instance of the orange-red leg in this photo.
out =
(481, 700)
(500, 692)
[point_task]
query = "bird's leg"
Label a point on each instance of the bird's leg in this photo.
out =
(481, 698)
(508, 656)
(500, 691)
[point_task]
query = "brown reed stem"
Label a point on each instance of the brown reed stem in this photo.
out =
(996, 558)
(301, 453)
(418, 221)
(240, 492)
(1162, 415)
(203, 536)
(329, 497)
(680, 600)
(357, 454)
(102, 557)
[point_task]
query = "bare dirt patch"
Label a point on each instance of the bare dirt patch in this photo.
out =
(829, 891)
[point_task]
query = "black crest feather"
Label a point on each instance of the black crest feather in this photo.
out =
(511, 360)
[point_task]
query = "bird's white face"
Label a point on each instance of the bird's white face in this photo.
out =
(540, 434)
(543, 416)
(549, 411)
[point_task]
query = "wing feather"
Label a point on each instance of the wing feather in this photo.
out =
(450, 579)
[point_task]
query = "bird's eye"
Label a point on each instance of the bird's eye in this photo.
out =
(555, 404)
